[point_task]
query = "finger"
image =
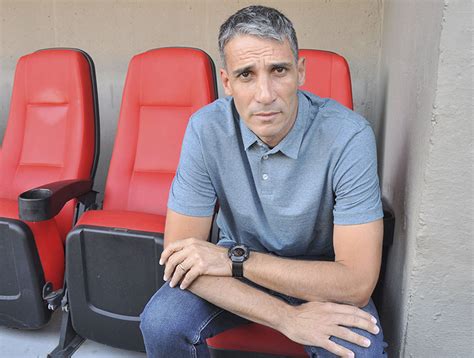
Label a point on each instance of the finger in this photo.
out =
(350, 310)
(335, 348)
(170, 250)
(175, 247)
(172, 262)
(350, 320)
(350, 336)
(181, 269)
(178, 274)
(189, 278)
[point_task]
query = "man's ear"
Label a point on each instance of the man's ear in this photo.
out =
(226, 82)
(301, 71)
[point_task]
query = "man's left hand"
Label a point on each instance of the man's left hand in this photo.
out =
(188, 259)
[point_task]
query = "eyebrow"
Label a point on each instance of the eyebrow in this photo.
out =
(282, 64)
(242, 70)
(238, 71)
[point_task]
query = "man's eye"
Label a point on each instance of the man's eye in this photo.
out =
(280, 70)
(245, 74)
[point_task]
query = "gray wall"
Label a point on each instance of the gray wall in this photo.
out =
(425, 106)
(113, 31)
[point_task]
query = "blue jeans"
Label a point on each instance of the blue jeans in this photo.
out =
(176, 323)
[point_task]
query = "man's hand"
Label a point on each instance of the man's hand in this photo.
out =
(188, 259)
(313, 323)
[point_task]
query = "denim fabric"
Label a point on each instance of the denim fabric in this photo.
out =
(176, 323)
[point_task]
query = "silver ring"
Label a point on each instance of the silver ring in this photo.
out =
(181, 267)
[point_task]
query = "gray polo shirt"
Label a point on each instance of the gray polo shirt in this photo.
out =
(287, 199)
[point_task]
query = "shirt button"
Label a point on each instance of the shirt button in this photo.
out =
(265, 157)
(265, 176)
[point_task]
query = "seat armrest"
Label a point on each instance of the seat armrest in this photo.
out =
(45, 202)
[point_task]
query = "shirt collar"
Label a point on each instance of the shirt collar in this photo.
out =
(290, 145)
(248, 137)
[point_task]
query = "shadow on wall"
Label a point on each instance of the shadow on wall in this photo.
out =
(393, 169)
(381, 135)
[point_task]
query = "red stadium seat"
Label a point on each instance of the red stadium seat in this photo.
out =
(112, 254)
(327, 75)
(49, 156)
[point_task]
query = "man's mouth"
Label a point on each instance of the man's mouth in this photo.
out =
(266, 115)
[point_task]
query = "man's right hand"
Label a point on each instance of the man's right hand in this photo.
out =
(313, 323)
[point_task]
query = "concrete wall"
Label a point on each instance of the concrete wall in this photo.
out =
(425, 102)
(113, 31)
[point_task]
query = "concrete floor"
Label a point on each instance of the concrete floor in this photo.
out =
(37, 344)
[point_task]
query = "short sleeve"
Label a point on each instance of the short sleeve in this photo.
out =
(355, 181)
(192, 192)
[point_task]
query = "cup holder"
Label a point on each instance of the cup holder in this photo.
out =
(35, 204)
(36, 194)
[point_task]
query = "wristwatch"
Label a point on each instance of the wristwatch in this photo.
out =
(238, 254)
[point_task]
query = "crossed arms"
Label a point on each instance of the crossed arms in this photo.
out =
(204, 269)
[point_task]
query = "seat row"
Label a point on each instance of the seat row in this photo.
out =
(59, 248)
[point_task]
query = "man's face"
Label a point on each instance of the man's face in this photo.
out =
(263, 77)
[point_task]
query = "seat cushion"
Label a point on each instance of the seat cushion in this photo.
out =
(128, 220)
(254, 337)
(47, 239)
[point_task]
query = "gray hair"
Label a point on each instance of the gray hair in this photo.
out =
(260, 21)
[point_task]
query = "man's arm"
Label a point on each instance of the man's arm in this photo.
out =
(311, 323)
(350, 279)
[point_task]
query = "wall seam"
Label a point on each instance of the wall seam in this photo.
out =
(421, 225)
(375, 110)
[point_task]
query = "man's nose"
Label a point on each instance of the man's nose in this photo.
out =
(265, 93)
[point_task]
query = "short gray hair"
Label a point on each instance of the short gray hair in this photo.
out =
(260, 21)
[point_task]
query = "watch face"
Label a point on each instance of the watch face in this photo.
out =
(238, 251)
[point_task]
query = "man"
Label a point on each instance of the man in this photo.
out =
(300, 213)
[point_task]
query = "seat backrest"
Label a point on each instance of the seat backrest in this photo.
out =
(163, 88)
(50, 134)
(327, 75)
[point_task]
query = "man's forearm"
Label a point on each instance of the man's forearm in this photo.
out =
(241, 299)
(309, 280)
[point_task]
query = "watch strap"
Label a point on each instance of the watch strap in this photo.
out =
(237, 269)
